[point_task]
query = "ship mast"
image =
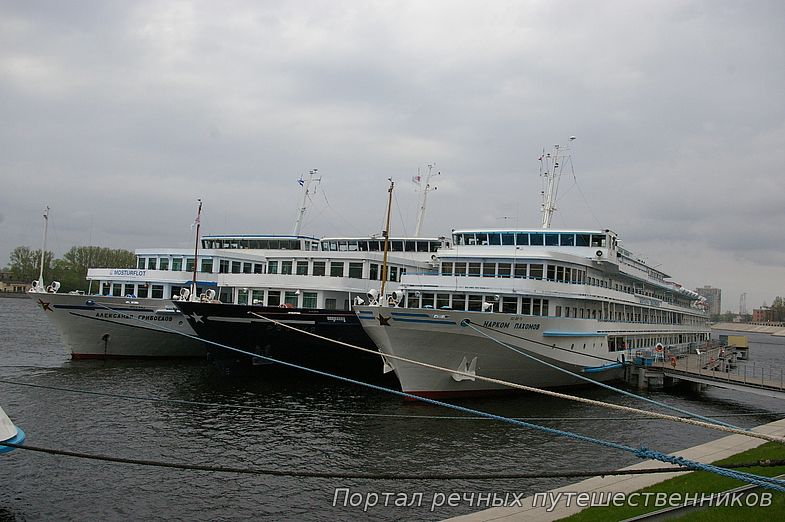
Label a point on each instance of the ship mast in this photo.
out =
(424, 188)
(198, 223)
(43, 250)
(551, 166)
(306, 184)
(386, 239)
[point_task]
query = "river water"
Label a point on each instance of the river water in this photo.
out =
(296, 425)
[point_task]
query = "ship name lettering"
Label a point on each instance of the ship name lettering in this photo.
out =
(526, 326)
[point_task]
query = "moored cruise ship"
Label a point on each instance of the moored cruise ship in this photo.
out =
(575, 299)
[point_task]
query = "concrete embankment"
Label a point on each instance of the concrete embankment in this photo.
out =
(777, 330)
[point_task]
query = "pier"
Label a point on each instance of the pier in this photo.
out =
(715, 365)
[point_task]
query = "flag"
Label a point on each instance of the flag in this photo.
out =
(301, 181)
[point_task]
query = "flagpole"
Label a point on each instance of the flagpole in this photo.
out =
(198, 223)
(386, 241)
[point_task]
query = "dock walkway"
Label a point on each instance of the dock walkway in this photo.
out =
(709, 452)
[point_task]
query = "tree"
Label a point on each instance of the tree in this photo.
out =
(25, 263)
(71, 270)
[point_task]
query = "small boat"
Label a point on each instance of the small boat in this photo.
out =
(9, 433)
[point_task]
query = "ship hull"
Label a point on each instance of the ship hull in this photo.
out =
(104, 327)
(247, 328)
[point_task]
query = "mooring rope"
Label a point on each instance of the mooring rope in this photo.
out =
(598, 383)
(601, 404)
(641, 452)
(368, 475)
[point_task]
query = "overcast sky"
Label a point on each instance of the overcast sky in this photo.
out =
(120, 114)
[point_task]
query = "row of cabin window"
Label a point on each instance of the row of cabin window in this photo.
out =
(261, 244)
(175, 264)
(395, 245)
(531, 239)
(519, 270)
(473, 303)
(619, 343)
(336, 269)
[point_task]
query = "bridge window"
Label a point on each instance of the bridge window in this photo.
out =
(151, 263)
(374, 246)
(535, 271)
(567, 239)
(597, 240)
(410, 246)
(362, 246)
(396, 246)
(343, 246)
(582, 240)
(353, 246)
(508, 238)
(164, 264)
(551, 239)
(522, 239)
(495, 239)
(536, 239)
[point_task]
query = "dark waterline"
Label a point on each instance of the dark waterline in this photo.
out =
(300, 432)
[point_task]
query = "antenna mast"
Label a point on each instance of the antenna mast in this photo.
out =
(551, 166)
(198, 223)
(306, 184)
(43, 250)
(386, 239)
(423, 188)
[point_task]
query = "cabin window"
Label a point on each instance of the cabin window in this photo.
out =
(551, 273)
(274, 298)
(242, 296)
(427, 300)
(309, 299)
(475, 303)
(286, 267)
(412, 300)
(536, 307)
(373, 273)
(223, 266)
(560, 274)
(582, 240)
(164, 264)
(356, 270)
(442, 301)
(447, 269)
(336, 269)
(235, 267)
(495, 239)
(257, 297)
(393, 273)
(489, 269)
(522, 239)
(536, 239)
(258, 268)
(301, 267)
(509, 305)
(129, 290)
(151, 263)
(189, 264)
(508, 239)
(474, 269)
(597, 240)
(520, 270)
(206, 265)
(526, 305)
(504, 269)
(319, 268)
(142, 290)
(330, 304)
(140, 263)
(158, 291)
(558, 311)
(272, 267)
(567, 239)
(535, 271)
(459, 302)
(291, 298)
(460, 269)
(247, 268)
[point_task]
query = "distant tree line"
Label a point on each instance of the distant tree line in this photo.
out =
(71, 269)
(778, 309)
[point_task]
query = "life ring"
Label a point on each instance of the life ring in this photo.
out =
(286, 305)
(658, 348)
(673, 362)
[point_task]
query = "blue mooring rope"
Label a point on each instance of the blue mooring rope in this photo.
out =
(642, 452)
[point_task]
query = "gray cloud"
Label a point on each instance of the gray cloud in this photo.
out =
(119, 115)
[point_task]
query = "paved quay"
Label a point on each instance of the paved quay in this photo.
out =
(705, 453)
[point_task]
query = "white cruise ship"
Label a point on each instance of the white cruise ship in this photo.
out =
(575, 299)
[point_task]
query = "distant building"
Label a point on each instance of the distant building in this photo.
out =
(713, 297)
(8, 285)
(761, 315)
